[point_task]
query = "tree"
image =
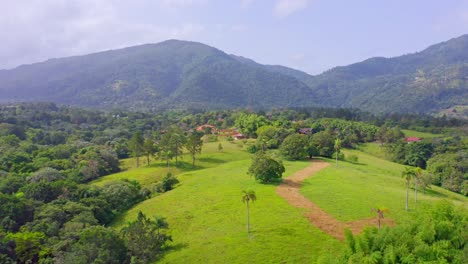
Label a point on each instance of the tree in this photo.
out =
(337, 149)
(172, 143)
(380, 213)
(323, 141)
(247, 197)
(220, 147)
(271, 136)
(408, 174)
(417, 153)
(294, 147)
(145, 238)
(264, 168)
(194, 145)
(97, 244)
(418, 174)
(136, 146)
(249, 123)
(149, 149)
(29, 246)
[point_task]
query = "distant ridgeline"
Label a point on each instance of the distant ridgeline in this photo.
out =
(180, 74)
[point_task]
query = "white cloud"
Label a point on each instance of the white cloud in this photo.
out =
(284, 8)
(36, 30)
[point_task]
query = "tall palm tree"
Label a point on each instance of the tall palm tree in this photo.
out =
(418, 172)
(380, 213)
(247, 197)
(408, 174)
(337, 149)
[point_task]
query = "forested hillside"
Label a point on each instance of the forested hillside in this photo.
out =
(170, 74)
(181, 74)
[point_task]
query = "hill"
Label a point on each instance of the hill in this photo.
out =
(218, 222)
(169, 74)
(423, 82)
(182, 74)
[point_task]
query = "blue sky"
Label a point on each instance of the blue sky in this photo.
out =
(310, 35)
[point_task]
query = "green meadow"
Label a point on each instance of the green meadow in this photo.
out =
(414, 133)
(208, 219)
(350, 191)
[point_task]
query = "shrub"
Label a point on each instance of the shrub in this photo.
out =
(353, 158)
(167, 183)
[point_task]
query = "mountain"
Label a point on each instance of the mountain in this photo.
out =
(154, 76)
(180, 74)
(425, 82)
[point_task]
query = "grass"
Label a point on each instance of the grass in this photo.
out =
(413, 133)
(147, 175)
(375, 149)
(207, 219)
(350, 191)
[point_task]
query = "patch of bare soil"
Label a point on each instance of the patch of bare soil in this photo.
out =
(289, 190)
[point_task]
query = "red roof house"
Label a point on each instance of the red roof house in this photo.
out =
(412, 139)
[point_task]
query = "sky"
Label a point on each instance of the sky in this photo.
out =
(309, 35)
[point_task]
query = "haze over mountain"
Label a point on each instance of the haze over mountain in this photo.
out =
(178, 74)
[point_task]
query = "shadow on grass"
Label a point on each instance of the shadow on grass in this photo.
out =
(181, 165)
(356, 163)
(434, 193)
(274, 182)
(211, 160)
(169, 249)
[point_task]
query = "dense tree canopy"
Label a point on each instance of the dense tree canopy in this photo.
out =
(265, 169)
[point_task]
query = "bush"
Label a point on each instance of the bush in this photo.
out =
(167, 183)
(353, 158)
(341, 156)
(252, 149)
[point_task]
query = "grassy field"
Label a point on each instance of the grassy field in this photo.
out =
(147, 175)
(208, 220)
(413, 133)
(207, 217)
(350, 191)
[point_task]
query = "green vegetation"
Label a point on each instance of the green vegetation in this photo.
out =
(376, 179)
(413, 133)
(74, 189)
(206, 215)
(203, 77)
(265, 169)
(436, 234)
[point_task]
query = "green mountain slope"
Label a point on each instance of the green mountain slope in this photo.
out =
(169, 74)
(180, 74)
(428, 81)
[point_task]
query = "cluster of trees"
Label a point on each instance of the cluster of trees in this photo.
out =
(48, 213)
(445, 159)
(320, 141)
(435, 234)
(166, 146)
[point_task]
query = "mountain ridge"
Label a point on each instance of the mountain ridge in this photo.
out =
(181, 74)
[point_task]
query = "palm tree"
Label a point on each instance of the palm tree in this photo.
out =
(408, 174)
(337, 149)
(380, 213)
(418, 172)
(248, 196)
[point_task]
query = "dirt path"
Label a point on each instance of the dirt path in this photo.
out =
(289, 190)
